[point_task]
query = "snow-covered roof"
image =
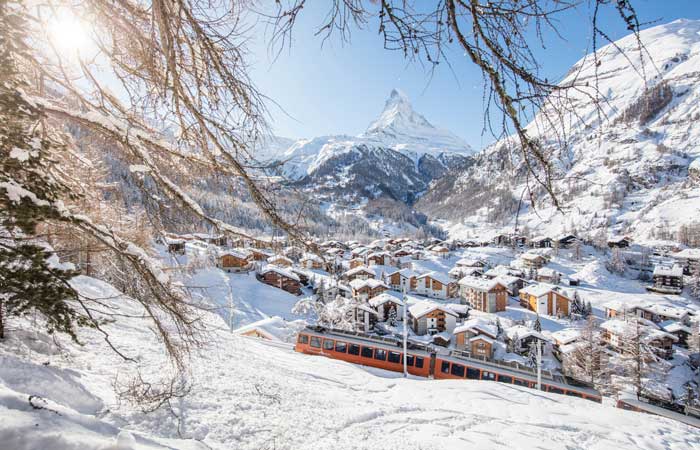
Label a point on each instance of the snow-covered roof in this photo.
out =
(665, 310)
(279, 270)
(482, 337)
(420, 309)
(521, 331)
(385, 297)
(470, 262)
(438, 276)
(369, 283)
(566, 336)
(440, 249)
(477, 324)
(311, 257)
(665, 271)
(273, 328)
(547, 272)
(531, 257)
(360, 269)
(540, 289)
(272, 259)
(688, 253)
(673, 327)
(236, 253)
(480, 284)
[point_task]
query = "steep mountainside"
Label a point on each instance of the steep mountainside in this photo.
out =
(625, 167)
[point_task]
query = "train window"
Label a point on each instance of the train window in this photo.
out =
(394, 357)
(445, 367)
(574, 394)
(315, 342)
(519, 382)
(488, 375)
(354, 349)
(303, 339)
(340, 347)
(410, 360)
(366, 352)
(457, 370)
(328, 344)
(505, 379)
(380, 354)
(419, 362)
(473, 374)
(555, 390)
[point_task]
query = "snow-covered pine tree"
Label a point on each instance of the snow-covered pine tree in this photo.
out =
(31, 280)
(392, 316)
(499, 328)
(537, 326)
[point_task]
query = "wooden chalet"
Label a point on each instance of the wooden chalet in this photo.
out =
(532, 261)
(477, 337)
(385, 303)
(617, 332)
(402, 280)
(281, 278)
(619, 242)
(541, 242)
(436, 285)
(366, 289)
(309, 261)
(235, 260)
(359, 273)
(689, 260)
(280, 260)
(545, 299)
(667, 280)
(521, 338)
(431, 318)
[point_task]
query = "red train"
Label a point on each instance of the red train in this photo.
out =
(387, 353)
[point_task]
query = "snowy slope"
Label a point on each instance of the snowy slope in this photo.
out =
(249, 395)
(625, 169)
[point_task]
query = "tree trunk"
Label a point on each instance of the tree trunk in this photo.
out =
(2, 323)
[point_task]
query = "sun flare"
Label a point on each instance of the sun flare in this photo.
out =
(68, 33)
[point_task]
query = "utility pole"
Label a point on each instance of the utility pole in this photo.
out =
(405, 335)
(539, 365)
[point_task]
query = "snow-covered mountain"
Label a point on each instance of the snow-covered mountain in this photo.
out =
(625, 167)
(399, 155)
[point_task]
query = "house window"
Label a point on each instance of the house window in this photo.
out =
(315, 342)
(340, 347)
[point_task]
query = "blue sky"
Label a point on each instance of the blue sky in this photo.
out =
(339, 88)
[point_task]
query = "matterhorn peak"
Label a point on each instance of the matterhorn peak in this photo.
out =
(400, 126)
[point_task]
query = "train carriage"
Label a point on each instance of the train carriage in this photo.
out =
(387, 354)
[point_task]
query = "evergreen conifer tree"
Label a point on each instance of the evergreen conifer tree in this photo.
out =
(30, 193)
